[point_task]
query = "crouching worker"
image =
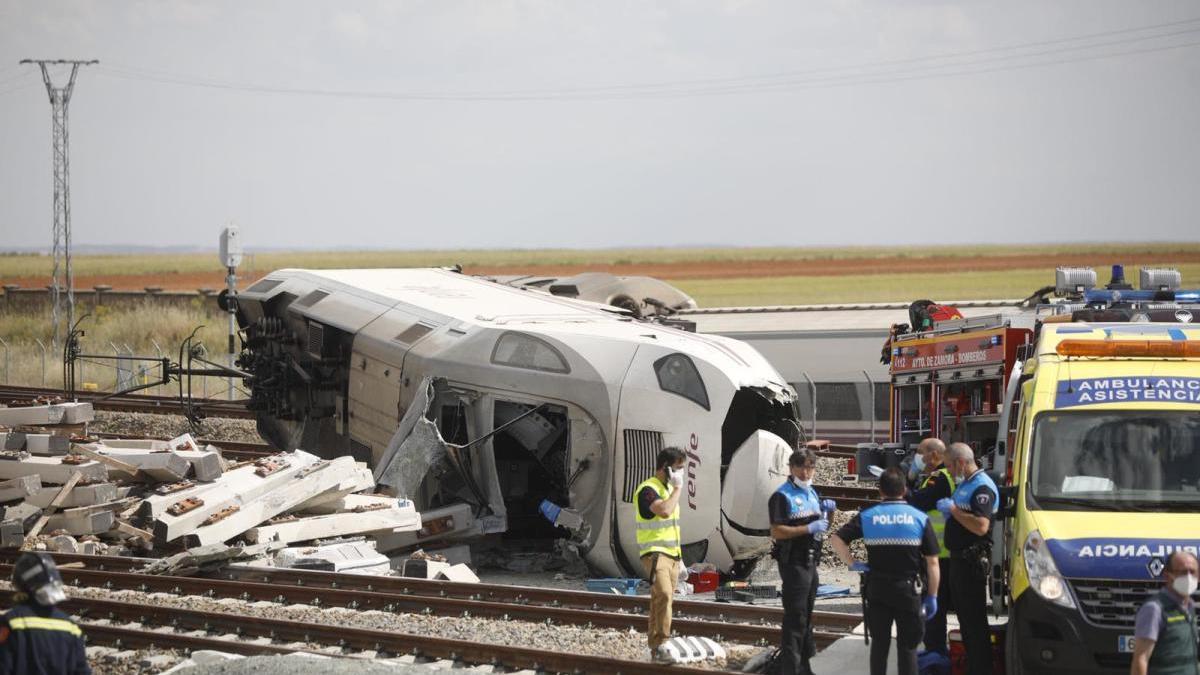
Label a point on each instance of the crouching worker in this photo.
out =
(35, 637)
(902, 561)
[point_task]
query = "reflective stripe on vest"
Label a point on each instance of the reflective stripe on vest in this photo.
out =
(935, 517)
(892, 524)
(963, 493)
(657, 534)
(43, 623)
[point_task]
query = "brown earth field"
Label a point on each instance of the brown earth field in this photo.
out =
(692, 270)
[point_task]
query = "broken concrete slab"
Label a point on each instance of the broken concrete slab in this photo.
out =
(47, 445)
(205, 465)
(162, 466)
(422, 568)
(460, 573)
(52, 470)
(63, 543)
(349, 503)
(351, 557)
(303, 485)
(81, 522)
(357, 481)
(447, 522)
(21, 488)
(12, 440)
(82, 495)
(12, 534)
(232, 490)
(389, 518)
(165, 496)
(57, 413)
(23, 513)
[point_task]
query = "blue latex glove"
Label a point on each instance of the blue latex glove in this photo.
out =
(828, 505)
(929, 605)
(818, 527)
(944, 505)
(860, 567)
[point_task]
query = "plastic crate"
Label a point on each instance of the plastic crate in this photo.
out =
(703, 582)
(613, 585)
(746, 593)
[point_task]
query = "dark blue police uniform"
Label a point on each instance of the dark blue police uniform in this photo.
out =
(898, 537)
(968, 569)
(934, 489)
(37, 640)
(798, 557)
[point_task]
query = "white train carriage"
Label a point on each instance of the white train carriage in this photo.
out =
(521, 397)
(830, 355)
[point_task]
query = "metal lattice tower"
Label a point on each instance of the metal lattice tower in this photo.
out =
(63, 277)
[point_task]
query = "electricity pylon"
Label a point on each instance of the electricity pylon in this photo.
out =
(60, 97)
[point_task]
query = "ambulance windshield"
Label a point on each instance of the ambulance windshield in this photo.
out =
(1116, 460)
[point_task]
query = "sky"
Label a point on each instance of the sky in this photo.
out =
(419, 124)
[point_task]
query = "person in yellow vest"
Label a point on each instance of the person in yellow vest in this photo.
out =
(658, 542)
(937, 484)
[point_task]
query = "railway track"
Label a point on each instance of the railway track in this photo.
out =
(739, 623)
(170, 627)
(849, 497)
(140, 403)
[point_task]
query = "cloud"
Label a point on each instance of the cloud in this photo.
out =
(351, 25)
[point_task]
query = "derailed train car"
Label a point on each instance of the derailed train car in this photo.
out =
(514, 397)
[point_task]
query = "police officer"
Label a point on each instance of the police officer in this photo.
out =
(937, 485)
(902, 560)
(968, 515)
(657, 530)
(799, 520)
(1165, 640)
(35, 637)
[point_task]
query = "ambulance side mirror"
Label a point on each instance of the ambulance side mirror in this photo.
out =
(1008, 502)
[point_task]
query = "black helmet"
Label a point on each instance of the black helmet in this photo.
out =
(36, 575)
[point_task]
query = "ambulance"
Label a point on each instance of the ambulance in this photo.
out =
(1099, 459)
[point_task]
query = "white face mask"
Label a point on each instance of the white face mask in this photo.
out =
(804, 483)
(1185, 584)
(918, 462)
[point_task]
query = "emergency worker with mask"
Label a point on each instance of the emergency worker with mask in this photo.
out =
(35, 637)
(938, 484)
(968, 514)
(901, 569)
(799, 520)
(1165, 635)
(658, 540)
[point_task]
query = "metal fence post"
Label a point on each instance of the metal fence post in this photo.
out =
(118, 386)
(7, 363)
(158, 350)
(43, 347)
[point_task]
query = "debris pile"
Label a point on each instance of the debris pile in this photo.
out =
(63, 491)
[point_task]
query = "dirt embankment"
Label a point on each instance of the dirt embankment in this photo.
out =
(692, 270)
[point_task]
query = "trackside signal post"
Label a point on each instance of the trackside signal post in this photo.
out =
(231, 257)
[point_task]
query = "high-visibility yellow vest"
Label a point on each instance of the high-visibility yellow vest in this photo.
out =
(935, 517)
(657, 534)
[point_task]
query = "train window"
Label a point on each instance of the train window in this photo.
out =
(525, 351)
(678, 375)
(838, 401)
(883, 394)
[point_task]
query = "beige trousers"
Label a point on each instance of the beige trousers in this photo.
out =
(665, 576)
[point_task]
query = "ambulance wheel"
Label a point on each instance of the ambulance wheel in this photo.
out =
(1012, 647)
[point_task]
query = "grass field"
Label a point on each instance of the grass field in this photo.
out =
(22, 266)
(883, 288)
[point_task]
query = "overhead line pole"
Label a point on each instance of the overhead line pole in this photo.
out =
(63, 275)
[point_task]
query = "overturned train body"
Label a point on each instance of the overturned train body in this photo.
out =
(459, 390)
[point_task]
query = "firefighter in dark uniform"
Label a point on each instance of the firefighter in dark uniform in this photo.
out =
(799, 520)
(935, 486)
(902, 572)
(35, 637)
(968, 515)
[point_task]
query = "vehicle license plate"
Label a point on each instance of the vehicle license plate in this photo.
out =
(1125, 644)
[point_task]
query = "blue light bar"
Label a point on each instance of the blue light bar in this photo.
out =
(1107, 297)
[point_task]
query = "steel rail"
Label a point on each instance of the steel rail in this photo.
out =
(396, 602)
(849, 497)
(142, 403)
(497, 593)
(347, 638)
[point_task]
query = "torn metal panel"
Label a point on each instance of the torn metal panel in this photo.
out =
(480, 423)
(415, 447)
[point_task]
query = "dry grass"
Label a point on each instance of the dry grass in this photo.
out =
(23, 266)
(128, 329)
